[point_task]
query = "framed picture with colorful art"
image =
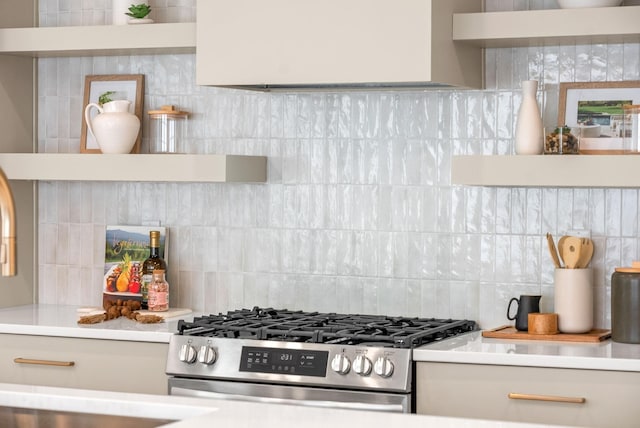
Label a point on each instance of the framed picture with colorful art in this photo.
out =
(594, 112)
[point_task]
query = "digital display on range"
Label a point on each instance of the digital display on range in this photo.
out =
(284, 361)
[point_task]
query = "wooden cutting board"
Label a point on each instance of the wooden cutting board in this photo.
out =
(172, 312)
(510, 332)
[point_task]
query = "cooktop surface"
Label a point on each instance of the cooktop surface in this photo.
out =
(331, 328)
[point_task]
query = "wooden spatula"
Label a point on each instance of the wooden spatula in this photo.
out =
(552, 250)
(561, 247)
(572, 247)
(586, 252)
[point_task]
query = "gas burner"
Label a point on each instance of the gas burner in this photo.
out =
(331, 328)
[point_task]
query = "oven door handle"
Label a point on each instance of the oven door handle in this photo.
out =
(309, 403)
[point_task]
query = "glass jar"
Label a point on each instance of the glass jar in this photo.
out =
(631, 128)
(158, 296)
(561, 140)
(167, 129)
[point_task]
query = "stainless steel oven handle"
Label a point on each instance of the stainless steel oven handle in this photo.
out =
(309, 403)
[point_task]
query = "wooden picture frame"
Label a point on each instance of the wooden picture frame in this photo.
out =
(593, 110)
(125, 87)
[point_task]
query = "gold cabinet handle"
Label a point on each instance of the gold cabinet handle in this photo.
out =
(43, 362)
(554, 398)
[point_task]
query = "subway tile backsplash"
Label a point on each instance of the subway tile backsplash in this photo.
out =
(358, 214)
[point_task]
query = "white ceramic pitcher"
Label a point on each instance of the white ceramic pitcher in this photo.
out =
(114, 128)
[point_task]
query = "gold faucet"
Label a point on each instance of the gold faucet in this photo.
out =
(7, 228)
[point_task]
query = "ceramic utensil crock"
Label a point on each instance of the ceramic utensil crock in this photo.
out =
(625, 304)
(574, 299)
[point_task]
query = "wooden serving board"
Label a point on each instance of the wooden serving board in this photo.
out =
(510, 332)
(172, 312)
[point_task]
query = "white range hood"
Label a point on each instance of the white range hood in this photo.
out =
(272, 44)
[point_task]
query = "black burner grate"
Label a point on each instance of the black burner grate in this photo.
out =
(314, 327)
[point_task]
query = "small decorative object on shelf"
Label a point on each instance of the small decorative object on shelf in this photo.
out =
(529, 122)
(631, 128)
(138, 14)
(560, 140)
(167, 129)
(114, 128)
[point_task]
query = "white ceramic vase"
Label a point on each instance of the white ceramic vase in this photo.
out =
(529, 132)
(114, 127)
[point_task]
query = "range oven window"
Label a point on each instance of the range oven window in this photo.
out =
(284, 361)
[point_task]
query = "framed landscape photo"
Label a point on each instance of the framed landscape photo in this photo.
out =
(119, 87)
(593, 111)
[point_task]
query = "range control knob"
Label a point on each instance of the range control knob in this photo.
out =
(207, 355)
(383, 367)
(362, 365)
(187, 354)
(341, 364)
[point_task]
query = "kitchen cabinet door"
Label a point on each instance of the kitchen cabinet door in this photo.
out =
(110, 365)
(590, 398)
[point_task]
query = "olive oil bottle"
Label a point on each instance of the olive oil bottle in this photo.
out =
(153, 262)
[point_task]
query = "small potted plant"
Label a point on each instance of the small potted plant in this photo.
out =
(138, 14)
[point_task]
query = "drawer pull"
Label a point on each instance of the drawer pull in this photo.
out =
(43, 362)
(554, 398)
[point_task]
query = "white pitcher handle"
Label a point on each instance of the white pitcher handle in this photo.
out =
(87, 117)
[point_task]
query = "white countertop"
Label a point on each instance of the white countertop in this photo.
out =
(472, 348)
(61, 320)
(199, 412)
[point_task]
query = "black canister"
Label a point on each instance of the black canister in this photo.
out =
(625, 304)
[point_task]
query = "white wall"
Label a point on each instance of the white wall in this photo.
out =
(359, 213)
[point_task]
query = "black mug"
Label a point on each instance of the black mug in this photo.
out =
(526, 305)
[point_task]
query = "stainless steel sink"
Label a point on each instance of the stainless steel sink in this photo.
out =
(14, 417)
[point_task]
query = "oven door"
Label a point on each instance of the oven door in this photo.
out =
(298, 395)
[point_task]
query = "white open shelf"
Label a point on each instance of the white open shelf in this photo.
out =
(549, 26)
(99, 40)
(151, 167)
(547, 171)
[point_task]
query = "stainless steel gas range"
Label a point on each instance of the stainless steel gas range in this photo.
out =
(306, 358)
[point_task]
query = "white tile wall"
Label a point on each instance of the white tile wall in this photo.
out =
(358, 214)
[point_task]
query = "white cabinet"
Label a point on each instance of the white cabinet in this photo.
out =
(17, 80)
(329, 43)
(110, 365)
(590, 398)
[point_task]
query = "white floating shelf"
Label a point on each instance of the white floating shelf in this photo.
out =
(152, 167)
(549, 26)
(99, 40)
(547, 171)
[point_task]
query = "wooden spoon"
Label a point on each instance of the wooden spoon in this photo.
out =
(572, 247)
(561, 247)
(552, 251)
(586, 252)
